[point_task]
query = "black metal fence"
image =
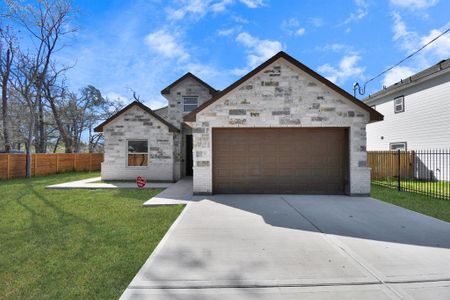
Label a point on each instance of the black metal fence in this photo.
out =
(424, 172)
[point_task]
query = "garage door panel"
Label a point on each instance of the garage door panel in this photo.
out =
(279, 160)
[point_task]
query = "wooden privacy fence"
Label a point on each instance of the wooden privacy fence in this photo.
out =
(385, 164)
(14, 165)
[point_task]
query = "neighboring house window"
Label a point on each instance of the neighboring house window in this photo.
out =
(190, 103)
(137, 153)
(399, 104)
(398, 146)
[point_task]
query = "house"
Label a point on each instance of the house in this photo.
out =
(282, 128)
(416, 112)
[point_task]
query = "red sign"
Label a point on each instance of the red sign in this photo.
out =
(140, 182)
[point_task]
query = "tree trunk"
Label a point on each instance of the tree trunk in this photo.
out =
(5, 79)
(28, 144)
(41, 142)
(62, 130)
(56, 144)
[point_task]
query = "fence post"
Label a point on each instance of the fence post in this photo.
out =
(398, 170)
(90, 162)
(7, 167)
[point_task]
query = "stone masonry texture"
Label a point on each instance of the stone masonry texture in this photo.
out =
(136, 124)
(175, 114)
(282, 95)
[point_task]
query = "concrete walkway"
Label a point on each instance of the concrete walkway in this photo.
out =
(178, 193)
(297, 247)
(93, 183)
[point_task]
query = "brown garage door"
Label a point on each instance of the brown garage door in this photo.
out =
(280, 160)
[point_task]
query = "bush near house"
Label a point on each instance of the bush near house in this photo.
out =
(74, 244)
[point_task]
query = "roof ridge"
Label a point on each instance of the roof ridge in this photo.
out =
(374, 115)
(141, 105)
(166, 90)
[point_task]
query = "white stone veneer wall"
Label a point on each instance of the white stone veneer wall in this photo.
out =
(281, 95)
(136, 124)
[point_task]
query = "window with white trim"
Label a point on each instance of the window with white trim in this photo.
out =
(190, 103)
(137, 153)
(398, 146)
(399, 104)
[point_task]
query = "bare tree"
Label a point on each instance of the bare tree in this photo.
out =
(47, 22)
(25, 77)
(56, 94)
(7, 50)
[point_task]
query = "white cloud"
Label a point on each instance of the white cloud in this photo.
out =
(414, 4)
(300, 31)
(166, 44)
(396, 74)
(316, 22)
(347, 68)
(239, 19)
(362, 9)
(195, 8)
(199, 8)
(117, 96)
(253, 3)
(229, 31)
(258, 50)
(292, 27)
(439, 48)
(410, 41)
(221, 5)
(334, 47)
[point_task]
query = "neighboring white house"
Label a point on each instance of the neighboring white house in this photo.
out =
(416, 112)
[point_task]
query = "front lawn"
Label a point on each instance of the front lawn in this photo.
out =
(433, 207)
(74, 244)
(438, 188)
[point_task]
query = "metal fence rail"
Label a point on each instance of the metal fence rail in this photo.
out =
(424, 172)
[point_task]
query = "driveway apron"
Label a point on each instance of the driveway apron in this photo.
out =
(286, 247)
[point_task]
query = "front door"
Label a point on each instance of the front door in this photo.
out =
(189, 159)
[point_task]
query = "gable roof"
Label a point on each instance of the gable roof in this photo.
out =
(374, 115)
(162, 112)
(441, 68)
(147, 109)
(212, 90)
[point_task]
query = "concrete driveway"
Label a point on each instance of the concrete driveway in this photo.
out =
(297, 247)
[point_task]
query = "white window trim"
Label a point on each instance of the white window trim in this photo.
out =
(405, 146)
(402, 104)
(148, 153)
(191, 105)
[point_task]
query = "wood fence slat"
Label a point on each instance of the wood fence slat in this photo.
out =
(14, 165)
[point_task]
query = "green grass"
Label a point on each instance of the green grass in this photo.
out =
(74, 244)
(441, 188)
(433, 207)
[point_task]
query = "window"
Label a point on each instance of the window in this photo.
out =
(137, 153)
(190, 103)
(399, 104)
(398, 146)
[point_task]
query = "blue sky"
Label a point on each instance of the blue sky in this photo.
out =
(146, 45)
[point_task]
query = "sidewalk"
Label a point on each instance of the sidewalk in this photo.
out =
(93, 183)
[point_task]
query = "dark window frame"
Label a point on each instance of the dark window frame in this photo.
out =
(402, 104)
(137, 153)
(191, 105)
(405, 145)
